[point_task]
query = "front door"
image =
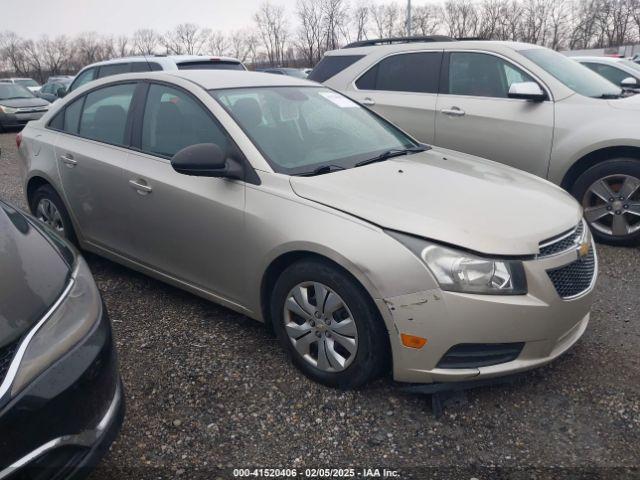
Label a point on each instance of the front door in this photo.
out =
(191, 228)
(475, 115)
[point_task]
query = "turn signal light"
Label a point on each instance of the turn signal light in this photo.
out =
(413, 341)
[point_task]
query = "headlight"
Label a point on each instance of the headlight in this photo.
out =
(459, 271)
(73, 318)
(6, 109)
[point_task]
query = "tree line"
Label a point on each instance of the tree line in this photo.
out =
(278, 37)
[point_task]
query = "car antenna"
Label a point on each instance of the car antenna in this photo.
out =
(147, 60)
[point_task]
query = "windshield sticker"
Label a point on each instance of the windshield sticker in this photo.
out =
(339, 100)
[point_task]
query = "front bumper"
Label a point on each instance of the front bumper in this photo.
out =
(64, 421)
(547, 325)
(14, 120)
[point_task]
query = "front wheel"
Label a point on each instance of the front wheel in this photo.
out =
(329, 325)
(610, 196)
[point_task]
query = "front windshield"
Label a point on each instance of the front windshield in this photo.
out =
(299, 129)
(27, 82)
(11, 91)
(577, 77)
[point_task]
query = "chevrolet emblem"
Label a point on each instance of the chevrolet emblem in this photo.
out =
(583, 250)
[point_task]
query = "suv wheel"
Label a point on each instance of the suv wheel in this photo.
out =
(610, 195)
(47, 206)
(328, 324)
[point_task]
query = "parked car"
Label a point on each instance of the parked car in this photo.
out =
(153, 63)
(293, 72)
(28, 83)
(61, 401)
(516, 103)
(18, 106)
(292, 204)
(619, 71)
(54, 89)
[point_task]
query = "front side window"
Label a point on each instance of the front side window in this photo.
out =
(82, 78)
(572, 74)
(482, 75)
(301, 128)
(173, 120)
(104, 116)
(613, 74)
(407, 72)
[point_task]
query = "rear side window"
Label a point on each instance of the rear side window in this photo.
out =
(82, 78)
(407, 72)
(104, 116)
(72, 116)
(332, 65)
(114, 69)
(174, 120)
(210, 65)
(145, 67)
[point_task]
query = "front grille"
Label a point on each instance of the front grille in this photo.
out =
(476, 355)
(6, 355)
(574, 278)
(562, 242)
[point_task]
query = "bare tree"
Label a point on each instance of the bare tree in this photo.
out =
(145, 41)
(186, 38)
(309, 35)
(218, 43)
(360, 20)
(387, 19)
(272, 25)
(334, 16)
(13, 52)
(243, 45)
(461, 18)
(425, 20)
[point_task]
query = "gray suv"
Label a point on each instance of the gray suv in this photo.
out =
(515, 103)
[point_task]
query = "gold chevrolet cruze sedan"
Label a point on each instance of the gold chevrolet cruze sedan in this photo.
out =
(290, 203)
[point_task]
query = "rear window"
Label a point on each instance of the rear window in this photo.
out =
(332, 65)
(211, 65)
(114, 69)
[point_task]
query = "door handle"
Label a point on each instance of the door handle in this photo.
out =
(68, 160)
(454, 112)
(368, 101)
(141, 188)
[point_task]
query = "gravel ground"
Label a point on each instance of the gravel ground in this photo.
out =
(209, 390)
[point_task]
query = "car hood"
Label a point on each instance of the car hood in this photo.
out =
(452, 198)
(24, 102)
(34, 274)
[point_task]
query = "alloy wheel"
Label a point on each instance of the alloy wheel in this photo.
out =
(48, 213)
(612, 205)
(320, 326)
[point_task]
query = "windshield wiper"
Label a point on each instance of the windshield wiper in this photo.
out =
(395, 152)
(14, 98)
(322, 169)
(610, 96)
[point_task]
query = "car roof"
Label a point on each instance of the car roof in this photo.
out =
(164, 58)
(453, 45)
(211, 79)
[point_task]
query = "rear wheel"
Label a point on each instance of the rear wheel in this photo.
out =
(610, 196)
(328, 324)
(47, 206)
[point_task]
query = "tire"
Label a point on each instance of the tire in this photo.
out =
(46, 193)
(372, 345)
(614, 173)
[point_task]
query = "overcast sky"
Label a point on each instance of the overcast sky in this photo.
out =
(33, 18)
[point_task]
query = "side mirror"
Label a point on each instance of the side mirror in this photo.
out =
(206, 160)
(629, 82)
(61, 92)
(527, 91)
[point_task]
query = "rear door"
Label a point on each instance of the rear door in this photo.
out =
(91, 151)
(476, 116)
(403, 88)
(191, 228)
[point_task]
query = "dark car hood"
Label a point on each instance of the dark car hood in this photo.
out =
(24, 102)
(33, 274)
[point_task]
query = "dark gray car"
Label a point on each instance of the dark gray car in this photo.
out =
(54, 89)
(18, 106)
